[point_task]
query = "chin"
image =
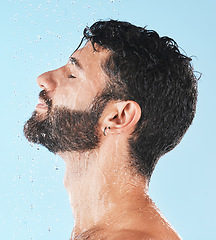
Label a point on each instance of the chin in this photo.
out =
(40, 116)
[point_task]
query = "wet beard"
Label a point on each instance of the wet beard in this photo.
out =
(64, 130)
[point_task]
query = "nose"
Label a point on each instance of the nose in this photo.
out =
(47, 81)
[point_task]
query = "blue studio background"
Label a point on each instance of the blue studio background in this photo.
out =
(37, 36)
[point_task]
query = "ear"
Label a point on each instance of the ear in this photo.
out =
(120, 116)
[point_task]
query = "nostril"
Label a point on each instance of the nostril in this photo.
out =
(41, 85)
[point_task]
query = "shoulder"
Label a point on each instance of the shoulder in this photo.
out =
(138, 235)
(130, 235)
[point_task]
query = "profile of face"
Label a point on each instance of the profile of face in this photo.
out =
(70, 104)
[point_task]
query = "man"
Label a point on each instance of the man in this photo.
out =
(120, 103)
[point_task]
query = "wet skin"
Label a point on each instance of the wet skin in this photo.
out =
(108, 198)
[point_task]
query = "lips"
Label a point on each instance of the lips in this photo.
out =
(42, 105)
(44, 102)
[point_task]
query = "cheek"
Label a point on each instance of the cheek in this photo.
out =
(84, 96)
(64, 96)
(76, 97)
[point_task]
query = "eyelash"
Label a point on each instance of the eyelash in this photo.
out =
(71, 76)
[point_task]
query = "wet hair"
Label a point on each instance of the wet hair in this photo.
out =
(150, 70)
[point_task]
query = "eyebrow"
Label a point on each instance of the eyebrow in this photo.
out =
(75, 62)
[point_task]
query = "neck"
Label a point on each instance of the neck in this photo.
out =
(101, 187)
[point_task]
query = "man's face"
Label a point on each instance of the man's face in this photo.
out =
(66, 118)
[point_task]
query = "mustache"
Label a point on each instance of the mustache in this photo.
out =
(44, 96)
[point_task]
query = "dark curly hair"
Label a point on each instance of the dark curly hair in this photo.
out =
(151, 70)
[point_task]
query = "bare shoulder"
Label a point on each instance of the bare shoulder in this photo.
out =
(130, 235)
(138, 235)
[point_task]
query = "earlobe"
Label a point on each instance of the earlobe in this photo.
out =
(125, 116)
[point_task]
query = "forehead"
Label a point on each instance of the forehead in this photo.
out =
(88, 57)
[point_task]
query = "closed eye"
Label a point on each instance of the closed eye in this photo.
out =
(71, 76)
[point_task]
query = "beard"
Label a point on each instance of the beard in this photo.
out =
(62, 129)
